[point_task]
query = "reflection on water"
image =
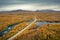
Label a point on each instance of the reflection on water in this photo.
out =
(7, 30)
(41, 23)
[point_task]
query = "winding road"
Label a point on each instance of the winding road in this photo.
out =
(20, 32)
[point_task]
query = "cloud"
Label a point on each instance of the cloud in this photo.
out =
(28, 7)
(45, 2)
(30, 4)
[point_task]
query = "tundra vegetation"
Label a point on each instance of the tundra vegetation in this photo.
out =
(44, 32)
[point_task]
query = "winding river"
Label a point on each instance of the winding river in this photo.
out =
(10, 27)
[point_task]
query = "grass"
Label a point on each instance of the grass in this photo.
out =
(15, 30)
(6, 20)
(45, 32)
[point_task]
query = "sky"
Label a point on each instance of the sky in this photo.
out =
(8, 5)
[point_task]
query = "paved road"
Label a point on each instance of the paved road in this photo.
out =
(22, 30)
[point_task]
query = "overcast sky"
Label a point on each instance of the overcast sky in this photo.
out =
(6, 5)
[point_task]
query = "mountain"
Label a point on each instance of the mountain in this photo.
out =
(47, 10)
(14, 11)
(20, 10)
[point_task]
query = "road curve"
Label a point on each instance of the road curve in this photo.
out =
(22, 30)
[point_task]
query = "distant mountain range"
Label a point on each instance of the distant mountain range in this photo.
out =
(45, 10)
(14, 11)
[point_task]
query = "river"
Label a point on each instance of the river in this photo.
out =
(41, 23)
(10, 27)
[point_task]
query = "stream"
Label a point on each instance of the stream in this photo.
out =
(41, 23)
(10, 27)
